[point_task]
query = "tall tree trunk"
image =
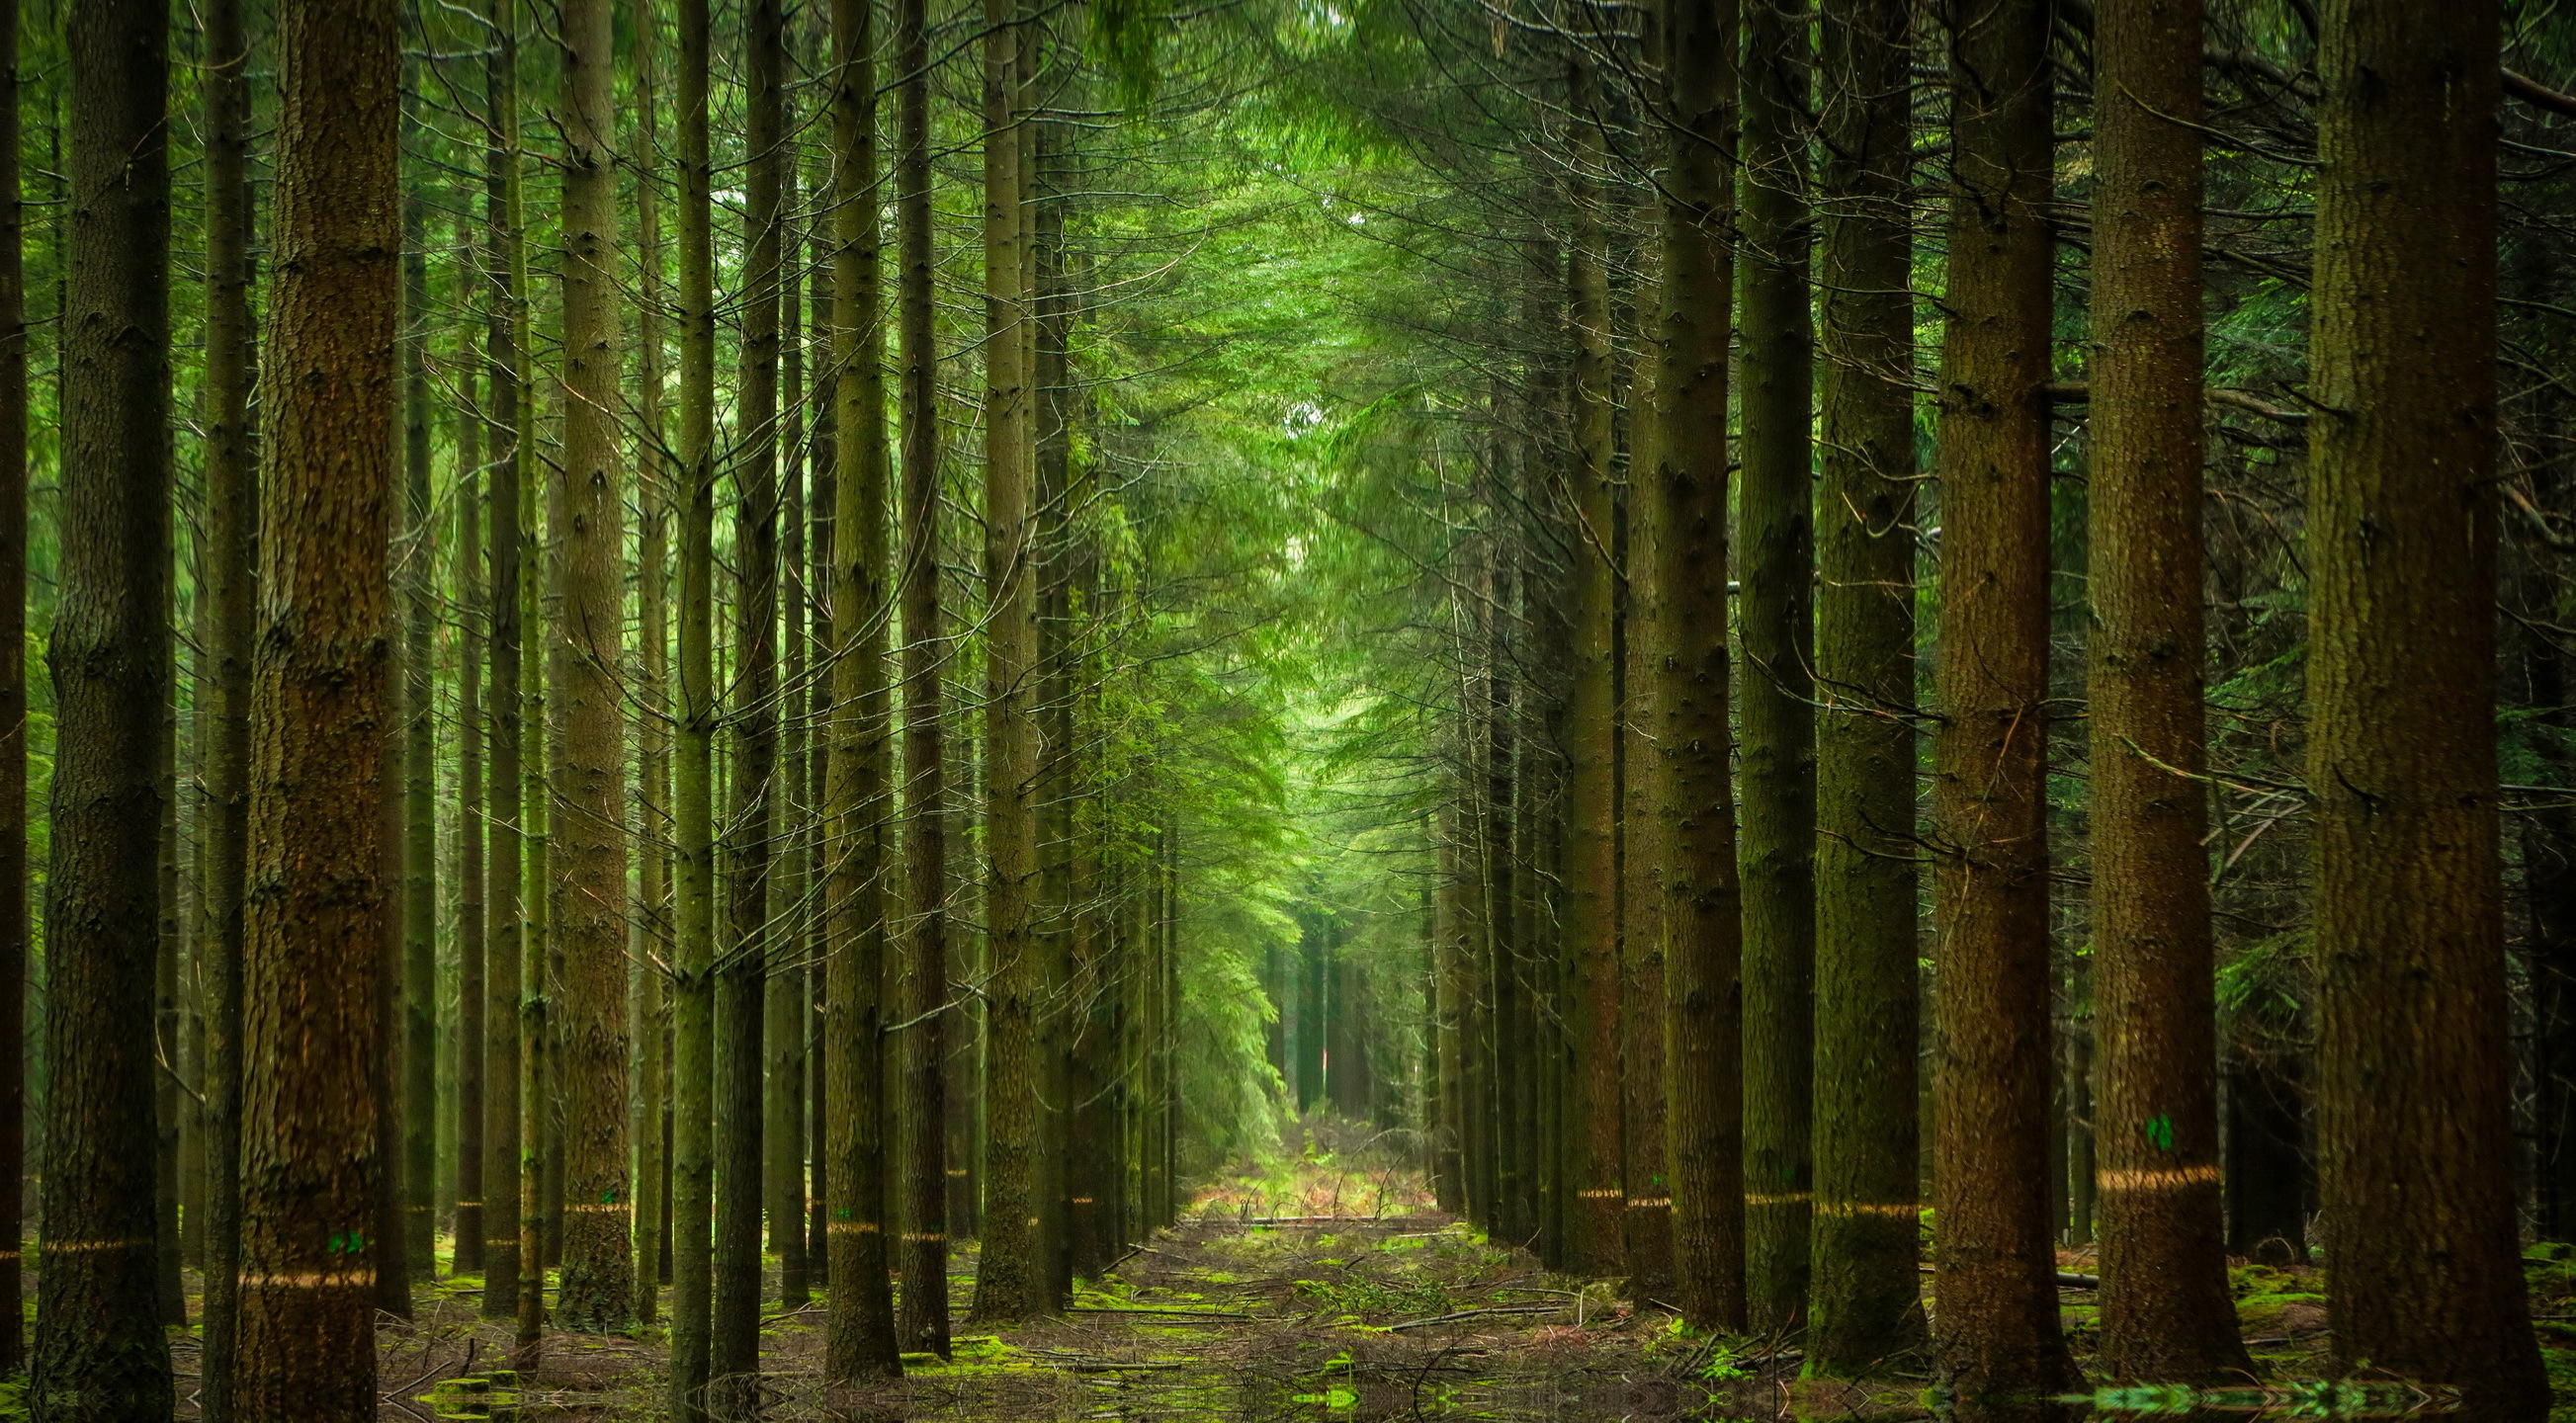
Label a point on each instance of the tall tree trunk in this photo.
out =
(504, 901)
(2001, 1348)
(1779, 727)
(861, 1340)
(1685, 497)
(416, 562)
(227, 578)
(13, 686)
(1010, 1281)
(323, 705)
(655, 488)
(1592, 718)
(473, 618)
(1864, 1298)
(2166, 1310)
(1644, 792)
(921, 1042)
(783, 1129)
(734, 1363)
(98, 1325)
(598, 1288)
(2413, 1120)
(693, 958)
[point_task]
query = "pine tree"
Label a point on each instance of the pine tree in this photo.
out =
(1864, 1296)
(920, 1046)
(2000, 1345)
(1779, 729)
(2412, 1123)
(99, 1350)
(598, 1287)
(2166, 1310)
(861, 1343)
(323, 714)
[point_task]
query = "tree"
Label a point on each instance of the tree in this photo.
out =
(1865, 1300)
(1779, 728)
(2000, 1346)
(99, 1346)
(693, 788)
(734, 1358)
(1702, 1022)
(922, 1036)
(323, 714)
(861, 1344)
(598, 1290)
(1597, 1224)
(2166, 1309)
(1010, 1281)
(2412, 1119)
(506, 927)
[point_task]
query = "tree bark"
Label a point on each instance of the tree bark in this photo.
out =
(323, 714)
(1592, 718)
(227, 579)
(1685, 492)
(13, 689)
(1779, 728)
(416, 565)
(2412, 1108)
(655, 488)
(99, 1345)
(1010, 1281)
(693, 959)
(734, 1360)
(2166, 1310)
(861, 1339)
(504, 902)
(598, 1288)
(2000, 1345)
(922, 1036)
(1864, 1297)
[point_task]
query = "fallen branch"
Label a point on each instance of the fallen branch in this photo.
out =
(1453, 1318)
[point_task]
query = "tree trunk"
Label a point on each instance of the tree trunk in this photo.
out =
(1010, 1279)
(2000, 1345)
(2166, 1310)
(1864, 1297)
(1592, 718)
(598, 1287)
(693, 790)
(417, 565)
(323, 706)
(2413, 1121)
(1684, 496)
(98, 1326)
(1779, 729)
(655, 488)
(734, 1362)
(473, 617)
(227, 579)
(504, 902)
(1645, 791)
(788, 996)
(13, 677)
(923, 1324)
(861, 1341)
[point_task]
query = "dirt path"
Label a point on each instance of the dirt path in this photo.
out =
(1334, 1295)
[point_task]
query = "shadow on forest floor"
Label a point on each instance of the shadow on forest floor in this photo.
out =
(1328, 1293)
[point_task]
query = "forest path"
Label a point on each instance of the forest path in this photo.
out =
(1320, 1290)
(1312, 1291)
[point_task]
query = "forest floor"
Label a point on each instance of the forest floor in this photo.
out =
(1331, 1292)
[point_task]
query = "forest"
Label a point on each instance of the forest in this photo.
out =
(1279, 709)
